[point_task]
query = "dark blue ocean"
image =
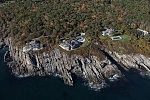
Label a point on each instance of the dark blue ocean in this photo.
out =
(52, 88)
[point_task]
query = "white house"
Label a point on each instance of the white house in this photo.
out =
(65, 46)
(69, 45)
(107, 32)
(72, 44)
(143, 31)
(81, 40)
(82, 34)
(33, 45)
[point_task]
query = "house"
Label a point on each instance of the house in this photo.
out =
(33, 46)
(81, 40)
(79, 35)
(70, 44)
(65, 46)
(82, 34)
(107, 32)
(74, 43)
(143, 31)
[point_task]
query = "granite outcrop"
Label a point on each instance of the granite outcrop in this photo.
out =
(57, 63)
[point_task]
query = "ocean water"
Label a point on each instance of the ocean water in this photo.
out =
(52, 88)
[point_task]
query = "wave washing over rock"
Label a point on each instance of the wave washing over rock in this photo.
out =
(57, 63)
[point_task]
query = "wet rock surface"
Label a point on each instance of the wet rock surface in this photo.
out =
(138, 61)
(2, 44)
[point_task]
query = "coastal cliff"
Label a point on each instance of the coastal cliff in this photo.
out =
(55, 21)
(57, 63)
(2, 43)
(138, 62)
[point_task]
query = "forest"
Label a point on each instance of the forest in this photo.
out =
(52, 20)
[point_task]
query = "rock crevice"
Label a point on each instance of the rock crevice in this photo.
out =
(58, 63)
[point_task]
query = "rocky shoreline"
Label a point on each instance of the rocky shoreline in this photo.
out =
(92, 71)
(2, 43)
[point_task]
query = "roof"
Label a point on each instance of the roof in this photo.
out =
(144, 32)
(33, 45)
(82, 34)
(70, 45)
(107, 31)
(81, 40)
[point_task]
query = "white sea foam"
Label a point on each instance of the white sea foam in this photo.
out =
(96, 87)
(23, 76)
(114, 77)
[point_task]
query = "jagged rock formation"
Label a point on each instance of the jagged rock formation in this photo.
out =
(58, 63)
(137, 61)
(1, 43)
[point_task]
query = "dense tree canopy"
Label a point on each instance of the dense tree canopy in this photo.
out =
(65, 18)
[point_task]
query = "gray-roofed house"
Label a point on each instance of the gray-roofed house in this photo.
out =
(70, 45)
(74, 43)
(33, 46)
(107, 32)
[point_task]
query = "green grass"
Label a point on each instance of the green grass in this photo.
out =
(125, 38)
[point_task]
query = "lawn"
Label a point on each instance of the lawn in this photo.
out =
(125, 38)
